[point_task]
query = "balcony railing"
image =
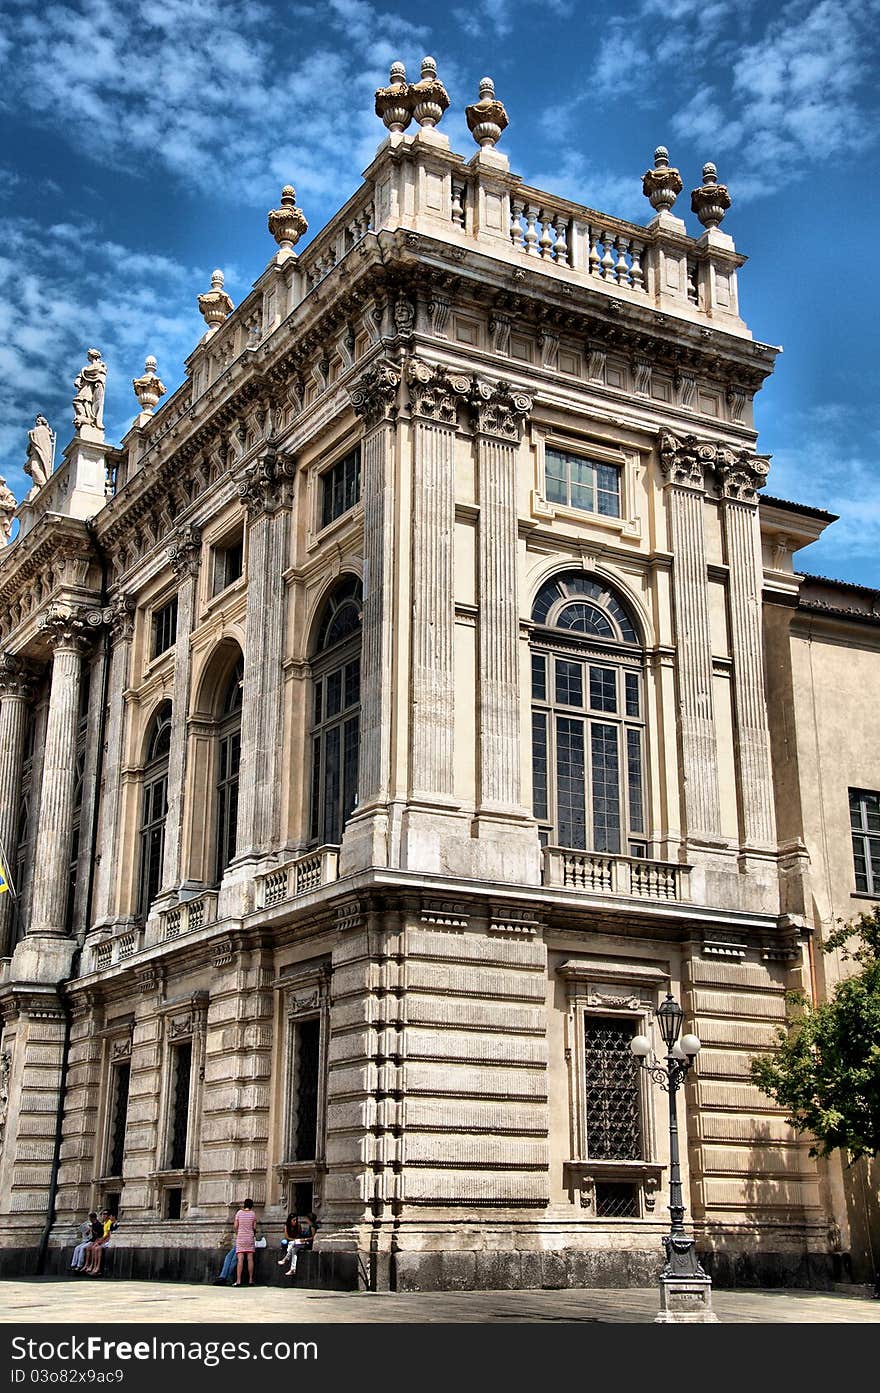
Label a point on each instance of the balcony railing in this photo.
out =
(309, 872)
(117, 949)
(188, 916)
(596, 873)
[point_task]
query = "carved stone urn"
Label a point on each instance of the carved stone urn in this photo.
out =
(393, 102)
(429, 95)
(215, 305)
(148, 389)
(486, 118)
(661, 185)
(711, 201)
(287, 223)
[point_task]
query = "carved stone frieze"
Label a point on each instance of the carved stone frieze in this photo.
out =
(374, 395)
(434, 392)
(262, 485)
(185, 551)
(446, 914)
(499, 409)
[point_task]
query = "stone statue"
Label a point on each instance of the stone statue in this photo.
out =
(8, 506)
(39, 452)
(88, 404)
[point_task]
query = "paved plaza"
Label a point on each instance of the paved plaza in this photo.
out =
(77, 1300)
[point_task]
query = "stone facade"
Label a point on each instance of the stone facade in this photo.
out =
(306, 909)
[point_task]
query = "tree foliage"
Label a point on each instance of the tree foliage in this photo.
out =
(826, 1069)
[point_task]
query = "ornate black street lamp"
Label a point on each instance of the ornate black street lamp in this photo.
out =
(685, 1289)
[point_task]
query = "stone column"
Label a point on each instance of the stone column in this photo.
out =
(120, 616)
(434, 409)
(266, 492)
(498, 422)
(184, 555)
(684, 462)
(68, 630)
(374, 399)
(740, 476)
(16, 690)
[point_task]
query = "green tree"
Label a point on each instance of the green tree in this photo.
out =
(826, 1069)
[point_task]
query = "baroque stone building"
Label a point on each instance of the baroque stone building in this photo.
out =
(391, 720)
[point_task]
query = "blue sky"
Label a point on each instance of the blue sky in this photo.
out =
(145, 141)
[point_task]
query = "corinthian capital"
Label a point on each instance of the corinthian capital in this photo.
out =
(70, 626)
(434, 392)
(740, 475)
(261, 485)
(374, 395)
(185, 551)
(499, 410)
(17, 679)
(119, 615)
(683, 459)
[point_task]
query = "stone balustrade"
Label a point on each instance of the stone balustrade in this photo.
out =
(596, 873)
(117, 949)
(350, 225)
(188, 916)
(309, 872)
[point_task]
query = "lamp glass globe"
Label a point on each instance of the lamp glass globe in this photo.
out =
(690, 1044)
(640, 1046)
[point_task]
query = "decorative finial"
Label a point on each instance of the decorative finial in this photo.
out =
(215, 305)
(711, 201)
(393, 102)
(287, 223)
(88, 404)
(430, 96)
(148, 389)
(486, 118)
(661, 185)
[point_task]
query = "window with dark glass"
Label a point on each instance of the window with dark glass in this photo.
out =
(578, 482)
(228, 760)
(120, 1080)
(336, 693)
(164, 627)
(181, 1071)
(864, 816)
(228, 564)
(304, 1102)
(154, 808)
(341, 486)
(588, 719)
(611, 1081)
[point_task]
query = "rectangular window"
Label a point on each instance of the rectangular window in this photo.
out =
(587, 484)
(120, 1077)
(539, 765)
(228, 564)
(603, 689)
(633, 705)
(569, 683)
(616, 1201)
(340, 486)
(164, 627)
(634, 782)
(605, 768)
(864, 816)
(181, 1070)
(539, 677)
(613, 1107)
(570, 783)
(306, 1080)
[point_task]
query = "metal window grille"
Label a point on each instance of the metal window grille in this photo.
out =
(616, 1201)
(613, 1110)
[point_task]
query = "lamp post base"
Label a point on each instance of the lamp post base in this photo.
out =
(685, 1300)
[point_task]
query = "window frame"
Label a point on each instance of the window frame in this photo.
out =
(304, 997)
(158, 622)
(228, 731)
(326, 664)
(233, 543)
(864, 834)
(155, 774)
(570, 458)
(323, 478)
(585, 444)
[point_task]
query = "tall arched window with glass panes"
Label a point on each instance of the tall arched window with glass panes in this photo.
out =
(588, 718)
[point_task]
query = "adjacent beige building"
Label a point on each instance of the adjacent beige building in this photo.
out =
(392, 720)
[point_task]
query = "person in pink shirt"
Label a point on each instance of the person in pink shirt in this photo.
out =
(245, 1225)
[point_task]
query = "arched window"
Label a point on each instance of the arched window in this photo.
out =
(154, 807)
(336, 679)
(588, 718)
(228, 760)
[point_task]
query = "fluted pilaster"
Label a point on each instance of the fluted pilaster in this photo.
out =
(684, 466)
(740, 522)
(184, 555)
(498, 419)
(16, 690)
(121, 628)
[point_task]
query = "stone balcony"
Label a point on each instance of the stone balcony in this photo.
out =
(298, 877)
(595, 873)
